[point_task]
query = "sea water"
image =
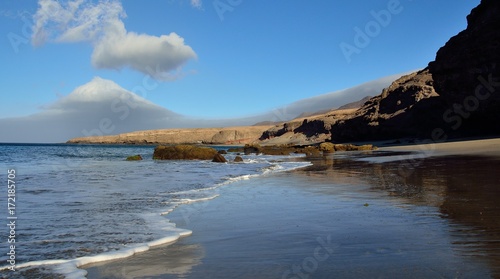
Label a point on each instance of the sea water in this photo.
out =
(78, 204)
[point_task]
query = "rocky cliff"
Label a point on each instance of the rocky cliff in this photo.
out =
(466, 72)
(407, 108)
(457, 95)
(391, 114)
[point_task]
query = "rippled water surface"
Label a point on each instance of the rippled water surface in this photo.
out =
(85, 200)
(350, 215)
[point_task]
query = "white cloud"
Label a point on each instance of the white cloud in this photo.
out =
(114, 47)
(99, 107)
(155, 56)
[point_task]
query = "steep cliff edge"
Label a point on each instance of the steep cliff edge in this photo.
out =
(457, 95)
(466, 72)
(391, 114)
(408, 108)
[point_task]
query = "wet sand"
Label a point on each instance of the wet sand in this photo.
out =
(482, 147)
(388, 213)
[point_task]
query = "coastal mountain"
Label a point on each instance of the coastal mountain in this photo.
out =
(353, 105)
(101, 107)
(404, 109)
(334, 100)
(230, 135)
(169, 127)
(457, 95)
(391, 114)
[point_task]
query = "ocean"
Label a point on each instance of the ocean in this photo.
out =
(70, 205)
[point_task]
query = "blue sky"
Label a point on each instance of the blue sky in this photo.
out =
(237, 58)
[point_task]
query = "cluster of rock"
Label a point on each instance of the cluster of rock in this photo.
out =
(285, 149)
(190, 152)
(193, 152)
(328, 147)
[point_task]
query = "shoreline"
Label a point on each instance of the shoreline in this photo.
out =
(273, 212)
(484, 147)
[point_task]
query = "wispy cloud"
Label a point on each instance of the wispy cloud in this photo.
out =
(197, 4)
(101, 24)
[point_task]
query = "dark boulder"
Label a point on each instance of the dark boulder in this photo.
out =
(238, 159)
(218, 158)
(184, 152)
(310, 151)
(327, 147)
(251, 148)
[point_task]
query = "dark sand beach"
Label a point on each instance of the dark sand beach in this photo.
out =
(391, 213)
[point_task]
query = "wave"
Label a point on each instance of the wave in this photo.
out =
(174, 203)
(261, 166)
(71, 268)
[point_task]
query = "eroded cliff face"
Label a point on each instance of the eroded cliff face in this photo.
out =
(466, 72)
(471, 56)
(458, 95)
(395, 113)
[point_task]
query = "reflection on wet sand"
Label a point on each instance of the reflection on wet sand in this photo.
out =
(381, 215)
(157, 262)
(466, 189)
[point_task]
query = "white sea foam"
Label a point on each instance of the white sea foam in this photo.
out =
(187, 201)
(174, 203)
(70, 268)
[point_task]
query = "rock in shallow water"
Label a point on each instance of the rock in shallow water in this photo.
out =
(184, 152)
(134, 158)
(238, 159)
(218, 158)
